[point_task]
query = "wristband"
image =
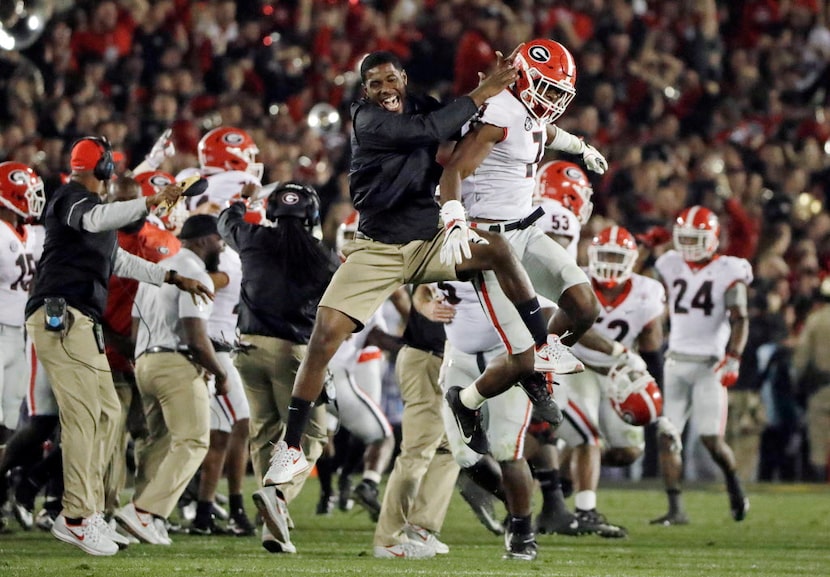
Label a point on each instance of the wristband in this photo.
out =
(171, 276)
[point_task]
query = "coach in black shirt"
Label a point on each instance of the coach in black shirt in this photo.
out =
(63, 317)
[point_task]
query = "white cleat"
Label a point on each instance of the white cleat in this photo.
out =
(554, 357)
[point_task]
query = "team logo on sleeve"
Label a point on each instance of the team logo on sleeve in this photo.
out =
(528, 124)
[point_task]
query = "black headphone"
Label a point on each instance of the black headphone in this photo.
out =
(106, 165)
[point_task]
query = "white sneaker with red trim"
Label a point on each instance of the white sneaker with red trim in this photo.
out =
(87, 536)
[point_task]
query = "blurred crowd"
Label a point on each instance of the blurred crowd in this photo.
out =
(718, 103)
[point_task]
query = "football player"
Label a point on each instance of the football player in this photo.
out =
(492, 169)
(632, 318)
(709, 325)
(564, 193)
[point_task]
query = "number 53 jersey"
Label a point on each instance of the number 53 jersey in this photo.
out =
(697, 301)
(20, 249)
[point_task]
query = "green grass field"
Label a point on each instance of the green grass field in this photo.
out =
(786, 533)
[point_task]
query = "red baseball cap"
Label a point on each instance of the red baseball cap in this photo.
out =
(85, 155)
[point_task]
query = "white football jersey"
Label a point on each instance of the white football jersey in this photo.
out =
(222, 321)
(501, 188)
(349, 351)
(622, 320)
(697, 307)
(18, 259)
(222, 187)
(560, 221)
(470, 330)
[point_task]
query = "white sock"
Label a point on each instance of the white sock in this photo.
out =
(372, 476)
(585, 500)
(470, 397)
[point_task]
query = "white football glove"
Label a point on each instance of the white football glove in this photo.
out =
(628, 358)
(727, 370)
(163, 148)
(457, 235)
(594, 160)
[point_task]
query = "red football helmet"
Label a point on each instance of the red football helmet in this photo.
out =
(21, 189)
(229, 148)
(696, 233)
(612, 255)
(567, 184)
(634, 395)
(547, 78)
(153, 181)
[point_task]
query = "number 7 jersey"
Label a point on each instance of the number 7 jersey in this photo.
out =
(697, 304)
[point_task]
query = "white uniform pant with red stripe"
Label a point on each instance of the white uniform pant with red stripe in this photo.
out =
(12, 375)
(505, 417)
(227, 409)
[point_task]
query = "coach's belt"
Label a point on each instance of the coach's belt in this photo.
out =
(153, 350)
(360, 236)
(507, 226)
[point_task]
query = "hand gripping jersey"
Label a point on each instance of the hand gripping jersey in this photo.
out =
(502, 186)
(18, 256)
(623, 320)
(697, 308)
(560, 221)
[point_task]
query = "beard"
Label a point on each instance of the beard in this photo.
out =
(212, 262)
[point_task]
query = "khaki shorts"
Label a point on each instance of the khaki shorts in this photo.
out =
(374, 270)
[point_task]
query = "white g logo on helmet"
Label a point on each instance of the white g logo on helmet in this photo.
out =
(539, 53)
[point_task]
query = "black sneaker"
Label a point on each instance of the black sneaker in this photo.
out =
(240, 525)
(206, 529)
(671, 518)
(550, 522)
(366, 495)
(468, 422)
(738, 504)
(539, 390)
(481, 502)
(520, 547)
(595, 522)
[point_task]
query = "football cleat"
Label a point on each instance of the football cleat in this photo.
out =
(595, 522)
(23, 515)
(550, 522)
(520, 547)
(481, 502)
(366, 495)
(286, 463)
(325, 506)
(468, 422)
(539, 391)
(240, 525)
(344, 497)
(738, 505)
(554, 357)
(671, 518)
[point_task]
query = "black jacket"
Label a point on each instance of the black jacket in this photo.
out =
(278, 299)
(393, 171)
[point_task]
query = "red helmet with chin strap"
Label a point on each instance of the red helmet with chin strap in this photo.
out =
(567, 184)
(612, 255)
(547, 78)
(229, 148)
(696, 233)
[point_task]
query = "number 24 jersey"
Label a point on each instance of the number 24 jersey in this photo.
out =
(697, 305)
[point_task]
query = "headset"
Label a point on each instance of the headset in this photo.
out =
(296, 200)
(105, 166)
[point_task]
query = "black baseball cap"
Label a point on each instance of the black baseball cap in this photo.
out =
(199, 225)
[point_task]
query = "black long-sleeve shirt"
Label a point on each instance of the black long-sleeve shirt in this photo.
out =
(278, 299)
(393, 172)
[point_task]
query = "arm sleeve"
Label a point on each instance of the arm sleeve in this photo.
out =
(231, 223)
(130, 266)
(112, 216)
(383, 130)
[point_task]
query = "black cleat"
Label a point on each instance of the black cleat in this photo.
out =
(539, 391)
(481, 502)
(739, 505)
(520, 547)
(550, 522)
(595, 522)
(468, 422)
(325, 506)
(240, 525)
(344, 497)
(366, 495)
(671, 518)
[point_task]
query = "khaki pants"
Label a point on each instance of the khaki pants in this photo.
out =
(87, 403)
(744, 425)
(423, 479)
(177, 406)
(818, 428)
(115, 474)
(268, 373)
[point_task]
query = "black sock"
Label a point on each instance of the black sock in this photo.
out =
(520, 525)
(733, 484)
(534, 320)
(487, 475)
(235, 502)
(551, 488)
(74, 520)
(299, 411)
(204, 512)
(675, 504)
